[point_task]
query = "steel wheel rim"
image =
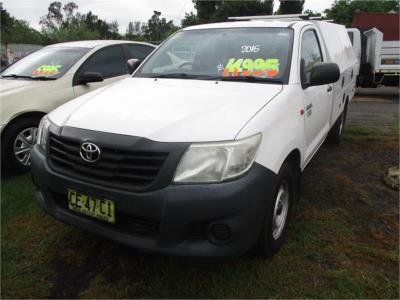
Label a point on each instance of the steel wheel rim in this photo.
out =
(281, 210)
(23, 143)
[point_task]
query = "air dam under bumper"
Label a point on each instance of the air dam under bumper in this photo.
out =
(221, 220)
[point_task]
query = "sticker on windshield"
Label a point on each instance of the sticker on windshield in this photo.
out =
(47, 70)
(251, 67)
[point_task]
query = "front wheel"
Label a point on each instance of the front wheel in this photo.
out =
(17, 141)
(278, 211)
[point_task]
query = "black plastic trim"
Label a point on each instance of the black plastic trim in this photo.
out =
(122, 142)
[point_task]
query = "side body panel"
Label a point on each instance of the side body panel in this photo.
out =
(39, 97)
(282, 128)
(340, 51)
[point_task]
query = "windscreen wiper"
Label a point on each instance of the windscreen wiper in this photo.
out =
(176, 75)
(28, 77)
(251, 78)
(15, 76)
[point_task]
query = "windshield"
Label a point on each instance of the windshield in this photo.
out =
(233, 53)
(51, 63)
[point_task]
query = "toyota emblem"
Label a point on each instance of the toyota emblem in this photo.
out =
(90, 152)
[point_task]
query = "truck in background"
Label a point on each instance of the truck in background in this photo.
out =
(376, 41)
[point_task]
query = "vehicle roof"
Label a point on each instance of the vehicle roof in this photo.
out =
(241, 24)
(96, 43)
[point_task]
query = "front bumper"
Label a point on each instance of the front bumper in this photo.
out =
(182, 220)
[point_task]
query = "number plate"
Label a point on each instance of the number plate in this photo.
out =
(102, 209)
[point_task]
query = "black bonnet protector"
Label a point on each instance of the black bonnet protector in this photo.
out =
(125, 162)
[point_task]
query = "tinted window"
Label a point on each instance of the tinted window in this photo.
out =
(138, 51)
(109, 62)
(261, 53)
(50, 62)
(310, 52)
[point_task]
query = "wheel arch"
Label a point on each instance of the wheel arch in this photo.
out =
(294, 159)
(28, 114)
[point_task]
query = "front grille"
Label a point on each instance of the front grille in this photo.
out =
(116, 168)
(141, 226)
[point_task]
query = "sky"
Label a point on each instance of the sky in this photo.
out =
(123, 11)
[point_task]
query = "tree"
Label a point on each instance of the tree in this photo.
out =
(113, 30)
(217, 11)
(65, 23)
(205, 10)
(190, 20)
(18, 31)
(342, 11)
(158, 28)
(290, 7)
(54, 17)
(312, 13)
(243, 8)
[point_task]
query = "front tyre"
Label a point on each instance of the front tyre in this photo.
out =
(17, 141)
(278, 211)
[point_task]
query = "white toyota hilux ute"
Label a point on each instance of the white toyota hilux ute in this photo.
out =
(200, 152)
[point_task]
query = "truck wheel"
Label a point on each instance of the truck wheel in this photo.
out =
(335, 134)
(17, 141)
(278, 211)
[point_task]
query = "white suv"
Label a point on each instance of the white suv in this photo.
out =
(200, 152)
(49, 77)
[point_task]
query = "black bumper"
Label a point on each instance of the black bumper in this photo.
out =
(209, 220)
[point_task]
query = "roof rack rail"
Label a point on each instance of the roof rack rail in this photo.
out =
(290, 17)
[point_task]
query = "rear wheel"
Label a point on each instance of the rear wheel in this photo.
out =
(278, 211)
(17, 141)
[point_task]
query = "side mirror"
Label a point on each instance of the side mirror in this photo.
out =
(324, 73)
(133, 63)
(88, 77)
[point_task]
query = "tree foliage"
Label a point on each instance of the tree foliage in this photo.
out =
(312, 13)
(290, 7)
(243, 8)
(217, 11)
(65, 23)
(158, 28)
(18, 31)
(190, 20)
(342, 11)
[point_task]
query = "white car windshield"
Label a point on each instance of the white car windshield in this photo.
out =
(251, 54)
(46, 63)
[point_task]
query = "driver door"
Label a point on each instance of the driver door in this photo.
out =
(317, 99)
(110, 62)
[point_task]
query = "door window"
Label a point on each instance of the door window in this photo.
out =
(138, 51)
(109, 62)
(310, 53)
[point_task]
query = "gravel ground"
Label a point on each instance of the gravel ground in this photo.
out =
(377, 108)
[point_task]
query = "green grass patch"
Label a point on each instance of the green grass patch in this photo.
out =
(360, 131)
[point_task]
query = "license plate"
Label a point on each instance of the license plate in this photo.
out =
(102, 209)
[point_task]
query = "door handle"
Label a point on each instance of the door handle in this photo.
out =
(329, 89)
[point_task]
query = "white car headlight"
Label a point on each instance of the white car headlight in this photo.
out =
(43, 132)
(217, 161)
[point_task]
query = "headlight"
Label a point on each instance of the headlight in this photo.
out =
(218, 161)
(43, 132)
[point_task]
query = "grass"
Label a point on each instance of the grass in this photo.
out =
(343, 242)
